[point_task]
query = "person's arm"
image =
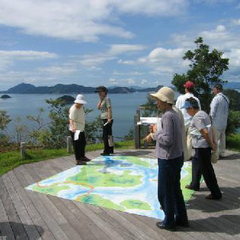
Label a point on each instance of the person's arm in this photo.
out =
(213, 108)
(207, 137)
(165, 136)
(109, 114)
(99, 104)
(72, 124)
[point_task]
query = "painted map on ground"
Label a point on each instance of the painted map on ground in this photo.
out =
(123, 183)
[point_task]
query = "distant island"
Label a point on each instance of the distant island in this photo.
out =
(5, 96)
(25, 88)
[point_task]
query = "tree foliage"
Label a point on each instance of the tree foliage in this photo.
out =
(206, 67)
(4, 120)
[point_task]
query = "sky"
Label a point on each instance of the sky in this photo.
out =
(111, 42)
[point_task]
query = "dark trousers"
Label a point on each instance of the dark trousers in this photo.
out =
(79, 145)
(169, 191)
(201, 165)
(107, 131)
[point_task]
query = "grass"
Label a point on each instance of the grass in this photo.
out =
(233, 142)
(11, 160)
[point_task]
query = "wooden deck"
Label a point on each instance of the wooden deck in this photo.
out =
(30, 215)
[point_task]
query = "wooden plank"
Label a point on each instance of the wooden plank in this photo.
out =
(13, 217)
(56, 210)
(5, 227)
(79, 226)
(108, 229)
(38, 201)
(33, 212)
(26, 220)
(121, 224)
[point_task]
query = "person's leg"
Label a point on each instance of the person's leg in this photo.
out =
(222, 142)
(105, 137)
(76, 153)
(196, 172)
(82, 145)
(208, 172)
(110, 137)
(180, 208)
(166, 180)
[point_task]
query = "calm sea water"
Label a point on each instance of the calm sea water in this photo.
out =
(124, 109)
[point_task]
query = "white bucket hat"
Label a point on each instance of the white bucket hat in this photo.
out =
(165, 94)
(80, 99)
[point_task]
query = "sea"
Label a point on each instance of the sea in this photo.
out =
(124, 106)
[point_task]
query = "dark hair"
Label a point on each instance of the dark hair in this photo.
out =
(101, 89)
(193, 102)
(218, 86)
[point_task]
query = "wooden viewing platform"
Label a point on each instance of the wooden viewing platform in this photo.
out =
(30, 215)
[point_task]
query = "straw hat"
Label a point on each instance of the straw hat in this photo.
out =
(80, 99)
(164, 94)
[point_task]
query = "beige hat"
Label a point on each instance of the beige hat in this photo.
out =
(80, 99)
(165, 94)
(214, 157)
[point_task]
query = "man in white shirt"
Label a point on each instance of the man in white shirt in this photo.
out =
(219, 114)
(189, 88)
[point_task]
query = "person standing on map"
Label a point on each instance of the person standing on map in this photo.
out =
(76, 127)
(105, 106)
(169, 151)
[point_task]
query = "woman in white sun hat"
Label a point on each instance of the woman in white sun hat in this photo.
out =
(76, 127)
(169, 152)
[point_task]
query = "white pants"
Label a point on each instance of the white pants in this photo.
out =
(188, 150)
(221, 140)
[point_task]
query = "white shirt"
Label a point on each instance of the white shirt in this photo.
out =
(78, 117)
(219, 111)
(180, 102)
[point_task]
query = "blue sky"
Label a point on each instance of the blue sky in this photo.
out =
(111, 42)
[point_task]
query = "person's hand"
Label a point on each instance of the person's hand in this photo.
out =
(148, 138)
(109, 120)
(153, 128)
(73, 129)
(214, 147)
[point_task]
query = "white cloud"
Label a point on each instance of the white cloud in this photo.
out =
(82, 20)
(117, 49)
(110, 54)
(144, 81)
(236, 21)
(8, 57)
(58, 70)
(113, 81)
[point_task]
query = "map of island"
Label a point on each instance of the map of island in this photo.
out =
(123, 183)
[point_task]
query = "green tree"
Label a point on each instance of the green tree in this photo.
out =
(206, 67)
(4, 120)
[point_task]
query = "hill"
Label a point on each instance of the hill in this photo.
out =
(25, 88)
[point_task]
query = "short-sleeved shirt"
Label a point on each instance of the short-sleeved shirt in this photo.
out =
(200, 121)
(106, 103)
(181, 101)
(78, 116)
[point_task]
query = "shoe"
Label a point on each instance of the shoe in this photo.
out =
(191, 188)
(211, 197)
(105, 154)
(85, 159)
(161, 226)
(182, 224)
